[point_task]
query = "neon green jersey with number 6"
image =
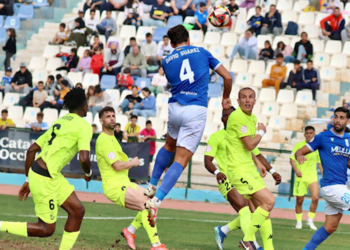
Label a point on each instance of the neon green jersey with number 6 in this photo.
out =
(66, 136)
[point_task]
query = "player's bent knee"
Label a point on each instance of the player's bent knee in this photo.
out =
(331, 228)
(79, 212)
(270, 202)
(47, 230)
(300, 201)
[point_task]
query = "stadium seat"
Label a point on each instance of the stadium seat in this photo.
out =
(239, 65)
(53, 64)
(289, 16)
(163, 113)
(277, 122)
(1, 98)
(224, 61)
(256, 67)
(89, 119)
(289, 110)
(285, 96)
(12, 22)
(75, 77)
(121, 18)
(312, 31)
(36, 62)
(30, 114)
(319, 17)
(283, 5)
(81, 51)
(270, 108)
(174, 20)
(114, 95)
(157, 125)
(159, 33)
(300, 5)
(20, 123)
(268, 137)
(2, 35)
(327, 73)
(2, 18)
(212, 37)
(143, 82)
(262, 39)
(124, 94)
(346, 49)
(90, 79)
(162, 99)
(261, 118)
(108, 82)
(189, 19)
(141, 121)
(257, 82)
(284, 39)
(50, 115)
(50, 51)
(339, 61)
(210, 128)
(63, 113)
(244, 79)
(214, 90)
(15, 112)
(127, 31)
(242, 14)
(215, 104)
(117, 40)
(303, 98)
(196, 36)
(306, 18)
(26, 12)
(217, 51)
(10, 99)
(318, 45)
(228, 39)
(240, 27)
(294, 40)
(142, 31)
(40, 3)
(333, 47)
(321, 59)
(122, 119)
(39, 75)
(267, 95)
(257, 108)
(268, 67)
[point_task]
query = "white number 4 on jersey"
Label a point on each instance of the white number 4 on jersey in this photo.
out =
(189, 75)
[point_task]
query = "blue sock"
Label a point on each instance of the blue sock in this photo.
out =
(319, 236)
(169, 180)
(162, 162)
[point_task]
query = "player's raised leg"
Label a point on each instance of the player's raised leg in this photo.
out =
(314, 191)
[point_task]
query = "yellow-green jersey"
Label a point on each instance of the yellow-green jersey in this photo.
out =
(239, 125)
(309, 168)
(217, 148)
(109, 151)
(66, 136)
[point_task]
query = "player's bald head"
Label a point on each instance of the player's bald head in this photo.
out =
(246, 90)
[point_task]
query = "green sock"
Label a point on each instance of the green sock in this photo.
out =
(17, 228)
(266, 234)
(137, 222)
(258, 218)
(245, 218)
(311, 215)
(299, 217)
(68, 240)
(151, 231)
(235, 224)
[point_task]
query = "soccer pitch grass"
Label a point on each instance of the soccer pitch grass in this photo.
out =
(180, 230)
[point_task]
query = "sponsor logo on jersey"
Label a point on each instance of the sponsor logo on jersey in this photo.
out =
(208, 149)
(111, 155)
(244, 129)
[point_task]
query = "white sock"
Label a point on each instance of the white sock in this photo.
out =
(225, 229)
(132, 229)
(157, 244)
(0, 225)
(157, 201)
(256, 244)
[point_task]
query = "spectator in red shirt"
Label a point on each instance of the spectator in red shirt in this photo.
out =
(333, 25)
(124, 80)
(96, 61)
(149, 133)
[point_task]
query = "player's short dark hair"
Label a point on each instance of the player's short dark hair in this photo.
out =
(133, 117)
(296, 62)
(51, 77)
(246, 88)
(148, 34)
(309, 61)
(75, 99)
(63, 25)
(178, 34)
(279, 55)
(148, 122)
(146, 89)
(40, 82)
(309, 128)
(344, 110)
(4, 111)
(118, 124)
(97, 89)
(40, 114)
(201, 4)
(65, 83)
(132, 39)
(104, 110)
(258, 7)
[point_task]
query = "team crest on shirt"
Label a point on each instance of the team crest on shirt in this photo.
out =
(208, 149)
(111, 155)
(244, 129)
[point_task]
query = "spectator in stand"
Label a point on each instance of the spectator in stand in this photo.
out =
(6, 80)
(97, 44)
(130, 100)
(94, 4)
(345, 33)
(5, 122)
(58, 102)
(90, 95)
(137, 63)
(256, 21)
(108, 26)
(329, 6)
(39, 125)
(248, 4)
(115, 5)
(72, 61)
(272, 23)
(267, 52)
(147, 5)
(96, 61)
(84, 63)
(303, 50)
(60, 78)
(113, 61)
(39, 95)
(134, 13)
(180, 7)
(234, 10)
(79, 35)
(311, 80)
(201, 18)
(81, 16)
(10, 47)
(129, 48)
(333, 25)
(284, 49)
(147, 107)
(158, 15)
(150, 50)
(194, 6)
(61, 36)
(21, 82)
(50, 85)
(344, 2)
(92, 21)
(132, 130)
(295, 75)
(79, 85)
(247, 47)
(94, 128)
(159, 82)
(118, 133)
(277, 74)
(147, 134)
(164, 49)
(6, 8)
(101, 100)
(124, 80)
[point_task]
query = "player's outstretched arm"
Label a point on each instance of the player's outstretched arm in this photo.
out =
(208, 163)
(122, 165)
(85, 164)
(223, 72)
(300, 154)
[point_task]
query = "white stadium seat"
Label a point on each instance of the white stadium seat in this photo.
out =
(284, 5)
(321, 59)
(122, 119)
(114, 95)
(268, 67)
(261, 118)
(215, 104)
(289, 110)
(289, 16)
(30, 114)
(10, 99)
(89, 119)
(121, 18)
(157, 125)
(306, 18)
(277, 122)
(217, 50)
(262, 39)
(285, 96)
(228, 39)
(256, 67)
(142, 31)
(318, 45)
(267, 95)
(339, 61)
(36, 62)
(210, 128)
(319, 17)
(15, 112)
(239, 65)
(90, 79)
(270, 109)
(20, 123)
(81, 51)
(75, 77)
(244, 79)
(50, 115)
(196, 36)
(127, 31)
(312, 31)
(141, 121)
(53, 64)
(304, 98)
(240, 27)
(39, 75)
(327, 73)
(212, 37)
(124, 94)
(257, 82)
(63, 113)
(50, 51)
(333, 47)
(300, 5)
(346, 48)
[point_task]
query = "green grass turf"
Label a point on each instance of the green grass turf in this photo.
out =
(178, 230)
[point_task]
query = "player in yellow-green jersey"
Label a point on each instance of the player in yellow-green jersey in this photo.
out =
(57, 146)
(306, 178)
(114, 167)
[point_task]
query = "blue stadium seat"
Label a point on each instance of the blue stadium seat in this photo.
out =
(40, 3)
(143, 82)
(2, 21)
(12, 22)
(214, 90)
(108, 82)
(26, 11)
(159, 33)
(174, 20)
(2, 35)
(16, 7)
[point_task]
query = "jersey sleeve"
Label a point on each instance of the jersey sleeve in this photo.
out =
(295, 149)
(43, 138)
(240, 127)
(106, 151)
(256, 151)
(10, 122)
(137, 129)
(85, 137)
(213, 62)
(315, 143)
(212, 146)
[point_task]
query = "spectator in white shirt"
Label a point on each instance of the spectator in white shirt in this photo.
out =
(40, 95)
(150, 50)
(247, 47)
(159, 82)
(39, 124)
(92, 21)
(100, 100)
(164, 49)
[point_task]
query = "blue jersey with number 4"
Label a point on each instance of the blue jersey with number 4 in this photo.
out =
(187, 70)
(334, 152)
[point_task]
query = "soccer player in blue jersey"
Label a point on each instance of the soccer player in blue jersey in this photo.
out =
(334, 149)
(187, 70)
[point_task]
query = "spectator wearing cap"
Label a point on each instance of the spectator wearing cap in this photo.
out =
(6, 79)
(100, 100)
(137, 63)
(92, 21)
(10, 47)
(150, 50)
(94, 4)
(39, 95)
(6, 8)
(333, 25)
(147, 107)
(311, 80)
(113, 61)
(107, 26)
(58, 102)
(303, 50)
(158, 15)
(295, 75)
(5, 122)
(21, 82)
(272, 23)
(38, 125)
